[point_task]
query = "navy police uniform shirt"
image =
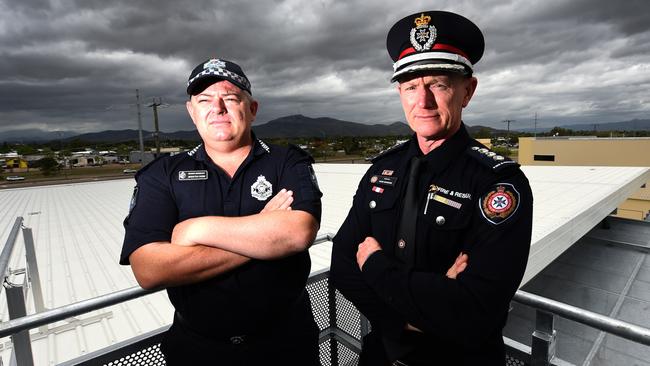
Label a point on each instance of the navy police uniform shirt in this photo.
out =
(187, 185)
(469, 200)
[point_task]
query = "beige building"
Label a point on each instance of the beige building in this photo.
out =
(586, 151)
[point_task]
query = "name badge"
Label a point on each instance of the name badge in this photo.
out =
(185, 175)
(383, 180)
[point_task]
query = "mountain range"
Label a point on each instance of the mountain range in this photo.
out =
(287, 127)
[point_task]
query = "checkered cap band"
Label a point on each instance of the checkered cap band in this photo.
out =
(222, 73)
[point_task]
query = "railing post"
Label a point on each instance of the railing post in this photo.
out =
(32, 271)
(334, 344)
(22, 344)
(543, 345)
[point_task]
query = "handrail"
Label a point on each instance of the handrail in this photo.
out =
(614, 326)
(610, 325)
(9, 246)
(50, 316)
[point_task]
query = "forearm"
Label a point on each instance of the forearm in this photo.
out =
(267, 235)
(163, 264)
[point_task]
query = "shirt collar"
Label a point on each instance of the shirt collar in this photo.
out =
(438, 158)
(259, 148)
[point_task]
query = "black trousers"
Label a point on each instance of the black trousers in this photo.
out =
(288, 346)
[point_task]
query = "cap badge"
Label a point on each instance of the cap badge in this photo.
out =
(261, 189)
(214, 64)
(423, 35)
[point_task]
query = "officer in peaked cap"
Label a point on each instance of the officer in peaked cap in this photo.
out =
(437, 239)
(225, 228)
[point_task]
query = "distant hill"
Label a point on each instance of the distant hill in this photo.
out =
(114, 136)
(632, 125)
(291, 127)
(302, 126)
(33, 135)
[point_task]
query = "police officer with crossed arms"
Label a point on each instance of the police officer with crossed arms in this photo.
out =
(225, 228)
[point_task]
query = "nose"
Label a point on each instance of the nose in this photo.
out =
(218, 106)
(425, 98)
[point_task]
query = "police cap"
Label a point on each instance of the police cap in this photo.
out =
(434, 40)
(210, 71)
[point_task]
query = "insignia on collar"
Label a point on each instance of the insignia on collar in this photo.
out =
(500, 203)
(262, 189)
(423, 35)
(185, 175)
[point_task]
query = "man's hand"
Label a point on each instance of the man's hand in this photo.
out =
(183, 230)
(366, 248)
(281, 201)
(459, 265)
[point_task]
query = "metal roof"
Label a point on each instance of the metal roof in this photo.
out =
(78, 236)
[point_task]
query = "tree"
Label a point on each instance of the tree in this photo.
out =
(49, 166)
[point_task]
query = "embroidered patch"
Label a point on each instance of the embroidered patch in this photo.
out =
(377, 189)
(312, 176)
(262, 189)
(185, 175)
(500, 203)
(134, 199)
(387, 172)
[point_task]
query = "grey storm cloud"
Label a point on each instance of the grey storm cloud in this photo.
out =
(75, 65)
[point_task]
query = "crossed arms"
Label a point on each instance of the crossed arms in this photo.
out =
(204, 247)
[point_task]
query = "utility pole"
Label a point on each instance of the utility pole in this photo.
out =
(508, 122)
(535, 124)
(156, 132)
(137, 103)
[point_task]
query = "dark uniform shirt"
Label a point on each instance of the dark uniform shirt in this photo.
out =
(258, 295)
(469, 200)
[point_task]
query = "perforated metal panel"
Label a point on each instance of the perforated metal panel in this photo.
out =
(150, 356)
(513, 361)
(318, 294)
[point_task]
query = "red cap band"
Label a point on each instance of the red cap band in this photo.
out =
(437, 46)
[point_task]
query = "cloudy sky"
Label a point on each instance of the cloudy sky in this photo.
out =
(75, 65)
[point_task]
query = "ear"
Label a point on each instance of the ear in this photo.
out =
(253, 106)
(470, 88)
(190, 109)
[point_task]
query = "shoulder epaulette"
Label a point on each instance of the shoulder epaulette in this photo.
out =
(301, 151)
(194, 150)
(391, 150)
(147, 166)
(490, 159)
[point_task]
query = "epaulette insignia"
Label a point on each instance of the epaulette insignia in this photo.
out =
(194, 150)
(491, 159)
(264, 146)
(391, 150)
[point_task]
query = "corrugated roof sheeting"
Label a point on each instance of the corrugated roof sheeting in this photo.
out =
(78, 236)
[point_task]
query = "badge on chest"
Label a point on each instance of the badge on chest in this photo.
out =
(262, 189)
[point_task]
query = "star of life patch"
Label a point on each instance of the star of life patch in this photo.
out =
(262, 189)
(500, 203)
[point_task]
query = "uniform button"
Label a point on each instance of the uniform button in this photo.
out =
(401, 244)
(440, 220)
(372, 204)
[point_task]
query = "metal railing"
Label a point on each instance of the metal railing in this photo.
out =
(542, 351)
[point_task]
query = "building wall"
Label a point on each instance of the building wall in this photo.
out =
(626, 151)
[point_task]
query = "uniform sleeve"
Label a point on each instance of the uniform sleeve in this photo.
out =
(474, 306)
(346, 276)
(153, 213)
(299, 176)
